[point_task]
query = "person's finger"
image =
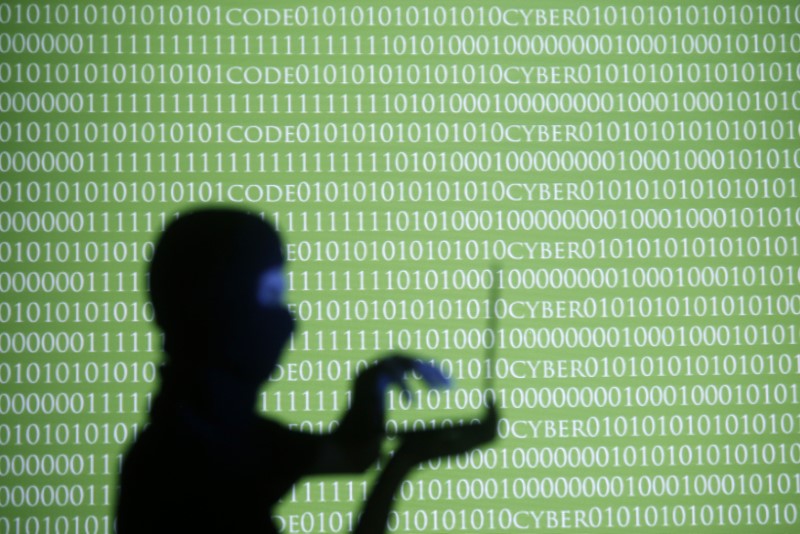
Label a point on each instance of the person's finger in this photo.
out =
(431, 374)
(394, 371)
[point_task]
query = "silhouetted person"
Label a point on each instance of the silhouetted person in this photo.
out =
(208, 462)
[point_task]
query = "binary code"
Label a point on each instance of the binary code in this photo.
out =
(625, 174)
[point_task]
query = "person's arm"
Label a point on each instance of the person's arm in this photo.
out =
(355, 444)
(416, 447)
(312, 454)
(339, 452)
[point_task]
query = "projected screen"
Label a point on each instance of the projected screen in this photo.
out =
(626, 171)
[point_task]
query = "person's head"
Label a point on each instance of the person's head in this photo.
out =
(216, 283)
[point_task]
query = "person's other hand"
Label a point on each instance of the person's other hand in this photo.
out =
(418, 446)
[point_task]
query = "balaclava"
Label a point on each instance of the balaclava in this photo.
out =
(216, 284)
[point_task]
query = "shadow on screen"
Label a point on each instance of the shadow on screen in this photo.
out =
(207, 461)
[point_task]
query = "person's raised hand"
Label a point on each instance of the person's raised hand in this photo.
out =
(368, 408)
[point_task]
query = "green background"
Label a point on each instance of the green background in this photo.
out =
(86, 354)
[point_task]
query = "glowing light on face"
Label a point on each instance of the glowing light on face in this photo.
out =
(271, 288)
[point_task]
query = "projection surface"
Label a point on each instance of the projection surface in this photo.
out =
(626, 171)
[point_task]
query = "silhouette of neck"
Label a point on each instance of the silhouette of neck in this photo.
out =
(201, 383)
